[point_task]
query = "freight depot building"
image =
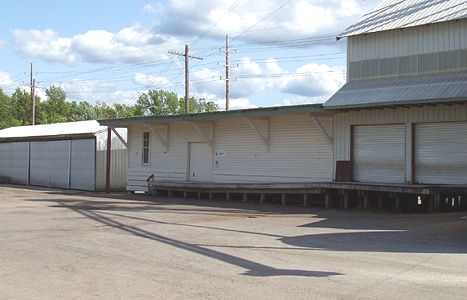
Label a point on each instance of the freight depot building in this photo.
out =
(63, 155)
(395, 133)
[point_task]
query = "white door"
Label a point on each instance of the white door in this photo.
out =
(83, 166)
(379, 153)
(200, 162)
(441, 153)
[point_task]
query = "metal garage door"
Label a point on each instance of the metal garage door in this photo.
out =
(59, 164)
(82, 176)
(39, 169)
(14, 159)
(441, 153)
(379, 153)
(50, 164)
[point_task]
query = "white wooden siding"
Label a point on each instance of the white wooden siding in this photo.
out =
(298, 151)
(14, 160)
(400, 115)
(431, 38)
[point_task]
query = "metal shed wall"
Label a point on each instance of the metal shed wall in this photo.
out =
(400, 115)
(14, 161)
(118, 164)
(430, 38)
(298, 151)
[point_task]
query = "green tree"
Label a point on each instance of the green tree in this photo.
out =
(7, 114)
(21, 107)
(56, 106)
(159, 102)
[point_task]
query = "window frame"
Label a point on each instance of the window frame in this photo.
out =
(146, 148)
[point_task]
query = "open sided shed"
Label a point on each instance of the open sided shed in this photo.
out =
(62, 155)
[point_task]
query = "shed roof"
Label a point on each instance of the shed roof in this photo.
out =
(216, 115)
(448, 87)
(56, 130)
(397, 14)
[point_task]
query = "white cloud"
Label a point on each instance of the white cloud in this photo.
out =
(156, 82)
(2, 43)
(315, 80)
(298, 19)
(44, 44)
(153, 8)
(6, 81)
(132, 44)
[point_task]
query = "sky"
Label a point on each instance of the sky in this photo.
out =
(282, 52)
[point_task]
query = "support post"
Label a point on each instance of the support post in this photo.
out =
(305, 200)
(283, 199)
(227, 75)
(108, 161)
(380, 201)
(261, 198)
(346, 200)
(245, 198)
(365, 201)
(327, 199)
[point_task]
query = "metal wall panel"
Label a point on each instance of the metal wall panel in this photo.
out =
(39, 163)
(14, 159)
(431, 38)
(379, 153)
(59, 164)
(441, 153)
(82, 176)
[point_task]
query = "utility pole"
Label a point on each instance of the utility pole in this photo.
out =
(227, 73)
(32, 118)
(187, 74)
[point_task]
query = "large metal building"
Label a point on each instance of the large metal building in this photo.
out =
(402, 115)
(62, 155)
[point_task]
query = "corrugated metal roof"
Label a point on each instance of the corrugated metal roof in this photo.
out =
(217, 115)
(57, 129)
(395, 14)
(448, 87)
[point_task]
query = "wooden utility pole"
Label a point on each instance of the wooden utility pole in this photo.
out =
(187, 74)
(227, 75)
(32, 117)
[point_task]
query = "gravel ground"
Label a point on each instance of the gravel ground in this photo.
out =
(71, 245)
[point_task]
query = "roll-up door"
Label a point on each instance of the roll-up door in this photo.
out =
(39, 164)
(82, 176)
(441, 153)
(379, 153)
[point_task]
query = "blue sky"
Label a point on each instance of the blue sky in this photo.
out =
(111, 51)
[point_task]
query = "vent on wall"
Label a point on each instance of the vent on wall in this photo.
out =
(447, 61)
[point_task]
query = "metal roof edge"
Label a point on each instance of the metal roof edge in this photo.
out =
(59, 137)
(394, 103)
(217, 115)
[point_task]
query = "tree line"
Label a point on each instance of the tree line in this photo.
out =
(15, 109)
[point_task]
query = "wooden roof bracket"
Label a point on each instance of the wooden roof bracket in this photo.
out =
(119, 136)
(163, 137)
(207, 137)
(265, 138)
(322, 129)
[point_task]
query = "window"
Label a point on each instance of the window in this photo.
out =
(145, 152)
